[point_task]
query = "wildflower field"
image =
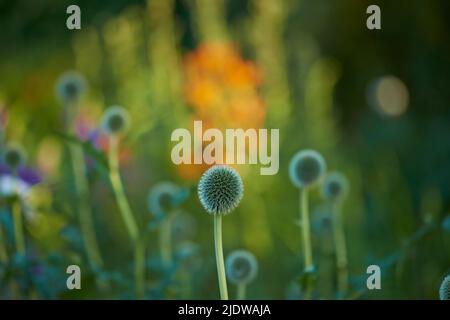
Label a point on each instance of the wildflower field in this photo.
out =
(94, 206)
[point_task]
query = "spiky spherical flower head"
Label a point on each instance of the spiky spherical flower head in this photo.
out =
(162, 197)
(241, 267)
(115, 120)
(444, 290)
(70, 87)
(220, 189)
(306, 168)
(334, 186)
(14, 156)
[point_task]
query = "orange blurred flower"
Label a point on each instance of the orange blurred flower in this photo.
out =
(222, 89)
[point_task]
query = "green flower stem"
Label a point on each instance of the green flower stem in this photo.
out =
(165, 241)
(341, 250)
(18, 227)
(119, 192)
(185, 279)
(241, 291)
(3, 251)
(84, 210)
(219, 257)
(139, 268)
(128, 217)
(307, 248)
(306, 230)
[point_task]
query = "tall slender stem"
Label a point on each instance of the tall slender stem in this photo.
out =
(84, 210)
(306, 230)
(119, 192)
(307, 248)
(241, 291)
(341, 250)
(165, 241)
(128, 218)
(3, 250)
(139, 268)
(219, 257)
(185, 279)
(18, 227)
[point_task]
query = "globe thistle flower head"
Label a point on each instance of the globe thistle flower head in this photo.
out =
(161, 198)
(306, 168)
(335, 186)
(220, 189)
(115, 120)
(70, 87)
(14, 156)
(241, 267)
(444, 290)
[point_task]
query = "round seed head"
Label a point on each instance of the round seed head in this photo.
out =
(306, 168)
(220, 190)
(14, 156)
(161, 198)
(241, 267)
(115, 120)
(444, 290)
(335, 186)
(70, 87)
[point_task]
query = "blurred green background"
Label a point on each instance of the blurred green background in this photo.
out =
(374, 103)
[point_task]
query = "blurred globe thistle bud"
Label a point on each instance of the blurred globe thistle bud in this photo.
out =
(161, 198)
(14, 156)
(294, 291)
(322, 228)
(306, 168)
(322, 220)
(241, 267)
(183, 226)
(446, 223)
(115, 120)
(186, 250)
(70, 87)
(188, 255)
(334, 186)
(444, 290)
(220, 189)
